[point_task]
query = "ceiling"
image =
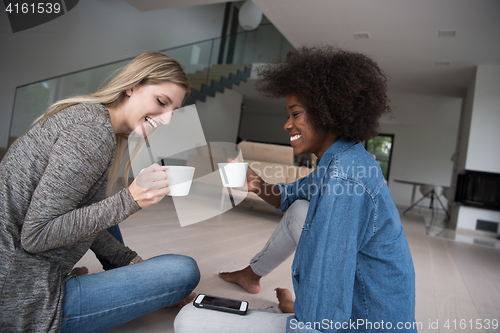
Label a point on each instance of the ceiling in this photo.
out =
(403, 35)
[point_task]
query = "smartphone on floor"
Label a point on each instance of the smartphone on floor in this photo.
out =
(221, 304)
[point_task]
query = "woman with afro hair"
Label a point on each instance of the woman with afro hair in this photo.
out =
(352, 269)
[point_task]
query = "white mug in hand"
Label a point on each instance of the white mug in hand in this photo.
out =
(180, 179)
(233, 174)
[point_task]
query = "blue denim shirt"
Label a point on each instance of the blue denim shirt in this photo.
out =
(352, 270)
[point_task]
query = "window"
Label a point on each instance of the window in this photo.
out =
(381, 148)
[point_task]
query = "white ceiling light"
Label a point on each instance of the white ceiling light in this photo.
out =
(442, 63)
(447, 33)
(249, 15)
(361, 35)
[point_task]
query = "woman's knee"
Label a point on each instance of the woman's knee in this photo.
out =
(299, 207)
(192, 270)
(183, 267)
(297, 212)
(294, 218)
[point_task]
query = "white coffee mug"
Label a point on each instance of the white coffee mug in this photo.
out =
(180, 179)
(233, 174)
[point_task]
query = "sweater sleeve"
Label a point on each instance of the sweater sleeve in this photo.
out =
(107, 247)
(61, 211)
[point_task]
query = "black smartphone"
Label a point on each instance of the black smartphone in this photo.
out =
(221, 304)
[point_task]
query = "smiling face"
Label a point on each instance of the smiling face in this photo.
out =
(147, 106)
(303, 138)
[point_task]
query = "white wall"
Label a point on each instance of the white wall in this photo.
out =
(464, 129)
(483, 152)
(468, 216)
(93, 33)
(220, 116)
(479, 149)
(425, 131)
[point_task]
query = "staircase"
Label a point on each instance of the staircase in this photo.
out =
(218, 78)
(256, 46)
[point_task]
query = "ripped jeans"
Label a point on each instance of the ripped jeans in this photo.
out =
(283, 241)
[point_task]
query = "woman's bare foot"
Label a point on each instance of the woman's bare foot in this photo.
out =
(246, 278)
(285, 300)
(79, 271)
(185, 301)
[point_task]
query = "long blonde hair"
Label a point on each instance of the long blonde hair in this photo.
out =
(148, 68)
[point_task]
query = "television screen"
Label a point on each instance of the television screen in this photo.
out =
(478, 189)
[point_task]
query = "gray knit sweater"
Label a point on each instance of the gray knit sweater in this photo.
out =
(53, 208)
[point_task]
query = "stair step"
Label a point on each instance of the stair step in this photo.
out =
(215, 73)
(222, 70)
(219, 78)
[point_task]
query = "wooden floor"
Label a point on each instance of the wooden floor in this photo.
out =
(457, 284)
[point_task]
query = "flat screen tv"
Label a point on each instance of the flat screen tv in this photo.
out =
(478, 189)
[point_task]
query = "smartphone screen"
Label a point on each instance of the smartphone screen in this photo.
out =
(226, 303)
(221, 304)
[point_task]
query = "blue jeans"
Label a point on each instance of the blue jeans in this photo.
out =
(99, 302)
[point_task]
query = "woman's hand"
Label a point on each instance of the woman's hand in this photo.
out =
(270, 193)
(253, 181)
(150, 186)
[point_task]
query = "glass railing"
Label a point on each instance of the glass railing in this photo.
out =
(199, 59)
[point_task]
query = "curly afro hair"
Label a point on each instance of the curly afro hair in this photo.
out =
(343, 92)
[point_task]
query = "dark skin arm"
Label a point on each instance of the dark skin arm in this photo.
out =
(270, 193)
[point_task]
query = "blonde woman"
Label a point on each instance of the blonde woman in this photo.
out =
(53, 208)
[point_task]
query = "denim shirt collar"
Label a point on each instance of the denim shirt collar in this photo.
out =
(338, 146)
